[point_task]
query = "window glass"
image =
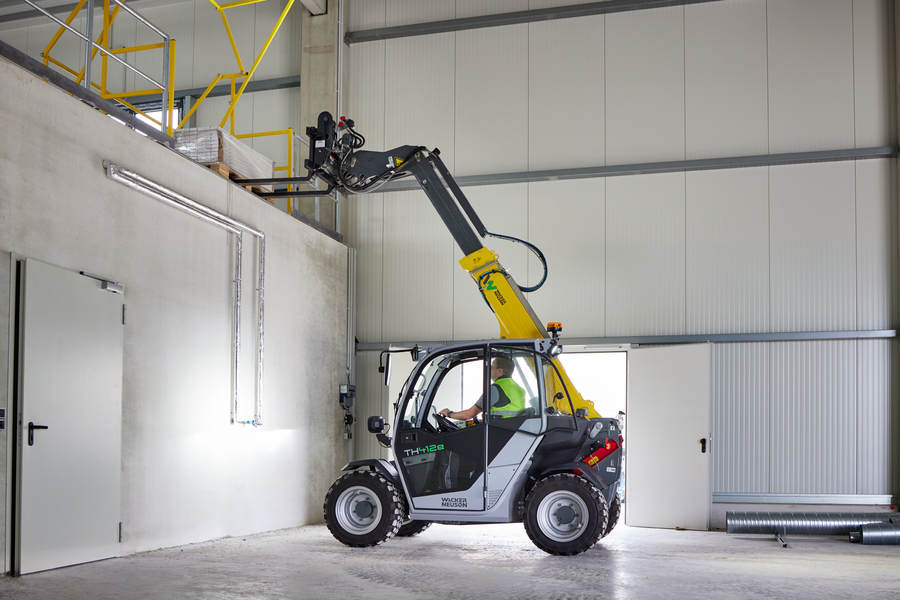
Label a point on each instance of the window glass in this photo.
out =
(451, 381)
(558, 404)
(515, 389)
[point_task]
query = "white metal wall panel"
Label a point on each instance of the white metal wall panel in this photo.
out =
(726, 96)
(124, 35)
(503, 209)
(419, 96)
(492, 100)
(871, 73)
(269, 111)
(727, 254)
(365, 70)
(406, 12)
(363, 225)
(575, 249)
(211, 112)
(873, 418)
(17, 38)
(645, 86)
(69, 49)
(811, 425)
(285, 51)
(741, 417)
(645, 252)
(418, 281)
(477, 8)
(365, 14)
(177, 20)
(810, 75)
(813, 247)
(371, 399)
(895, 416)
(876, 261)
(213, 54)
(566, 94)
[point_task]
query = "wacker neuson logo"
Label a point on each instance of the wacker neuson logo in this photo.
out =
(453, 502)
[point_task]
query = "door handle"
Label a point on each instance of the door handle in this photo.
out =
(31, 428)
(703, 445)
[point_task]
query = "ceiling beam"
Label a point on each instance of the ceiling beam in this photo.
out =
(513, 18)
(673, 166)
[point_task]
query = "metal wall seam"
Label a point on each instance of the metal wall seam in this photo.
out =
(873, 417)
(740, 451)
(811, 426)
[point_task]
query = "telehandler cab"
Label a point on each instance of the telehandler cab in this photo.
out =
(540, 454)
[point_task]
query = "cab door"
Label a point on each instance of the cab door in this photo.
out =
(443, 467)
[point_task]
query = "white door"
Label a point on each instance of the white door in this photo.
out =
(667, 462)
(71, 385)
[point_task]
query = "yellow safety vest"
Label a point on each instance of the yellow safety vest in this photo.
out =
(514, 393)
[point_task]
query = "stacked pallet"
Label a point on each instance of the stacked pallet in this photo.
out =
(224, 154)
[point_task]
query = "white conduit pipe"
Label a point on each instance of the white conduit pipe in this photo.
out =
(172, 198)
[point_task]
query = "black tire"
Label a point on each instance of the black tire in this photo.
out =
(614, 509)
(410, 528)
(363, 508)
(565, 514)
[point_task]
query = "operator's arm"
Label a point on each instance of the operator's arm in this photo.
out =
(462, 415)
(472, 411)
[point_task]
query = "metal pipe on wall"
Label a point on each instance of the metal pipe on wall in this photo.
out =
(172, 198)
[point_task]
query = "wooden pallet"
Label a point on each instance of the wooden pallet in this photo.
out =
(225, 171)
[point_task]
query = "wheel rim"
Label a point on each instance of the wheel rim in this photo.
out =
(358, 510)
(562, 516)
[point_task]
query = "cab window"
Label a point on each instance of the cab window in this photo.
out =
(448, 381)
(515, 389)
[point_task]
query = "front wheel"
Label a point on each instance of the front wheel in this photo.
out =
(565, 514)
(363, 508)
(614, 509)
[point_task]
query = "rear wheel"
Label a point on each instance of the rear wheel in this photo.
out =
(410, 528)
(363, 508)
(565, 514)
(614, 510)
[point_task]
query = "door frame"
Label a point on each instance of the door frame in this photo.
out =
(705, 426)
(12, 413)
(15, 437)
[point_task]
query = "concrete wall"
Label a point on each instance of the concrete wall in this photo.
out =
(188, 475)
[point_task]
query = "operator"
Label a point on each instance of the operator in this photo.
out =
(507, 396)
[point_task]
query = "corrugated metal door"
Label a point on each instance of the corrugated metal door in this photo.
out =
(667, 445)
(70, 426)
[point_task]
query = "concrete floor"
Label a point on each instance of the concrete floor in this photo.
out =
(487, 561)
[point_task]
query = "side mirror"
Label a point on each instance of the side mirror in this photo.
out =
(386, 367)
(375, 424)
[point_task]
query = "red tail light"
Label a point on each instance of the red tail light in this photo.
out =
(602, 452)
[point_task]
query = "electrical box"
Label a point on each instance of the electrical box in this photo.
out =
(348, 392)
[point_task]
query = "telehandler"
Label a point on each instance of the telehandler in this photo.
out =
(538, 453)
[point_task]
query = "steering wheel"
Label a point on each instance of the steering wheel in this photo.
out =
(444, 423)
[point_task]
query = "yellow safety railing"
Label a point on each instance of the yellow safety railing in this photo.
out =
(165, 88)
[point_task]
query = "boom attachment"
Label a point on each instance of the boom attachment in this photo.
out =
(336, 158)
